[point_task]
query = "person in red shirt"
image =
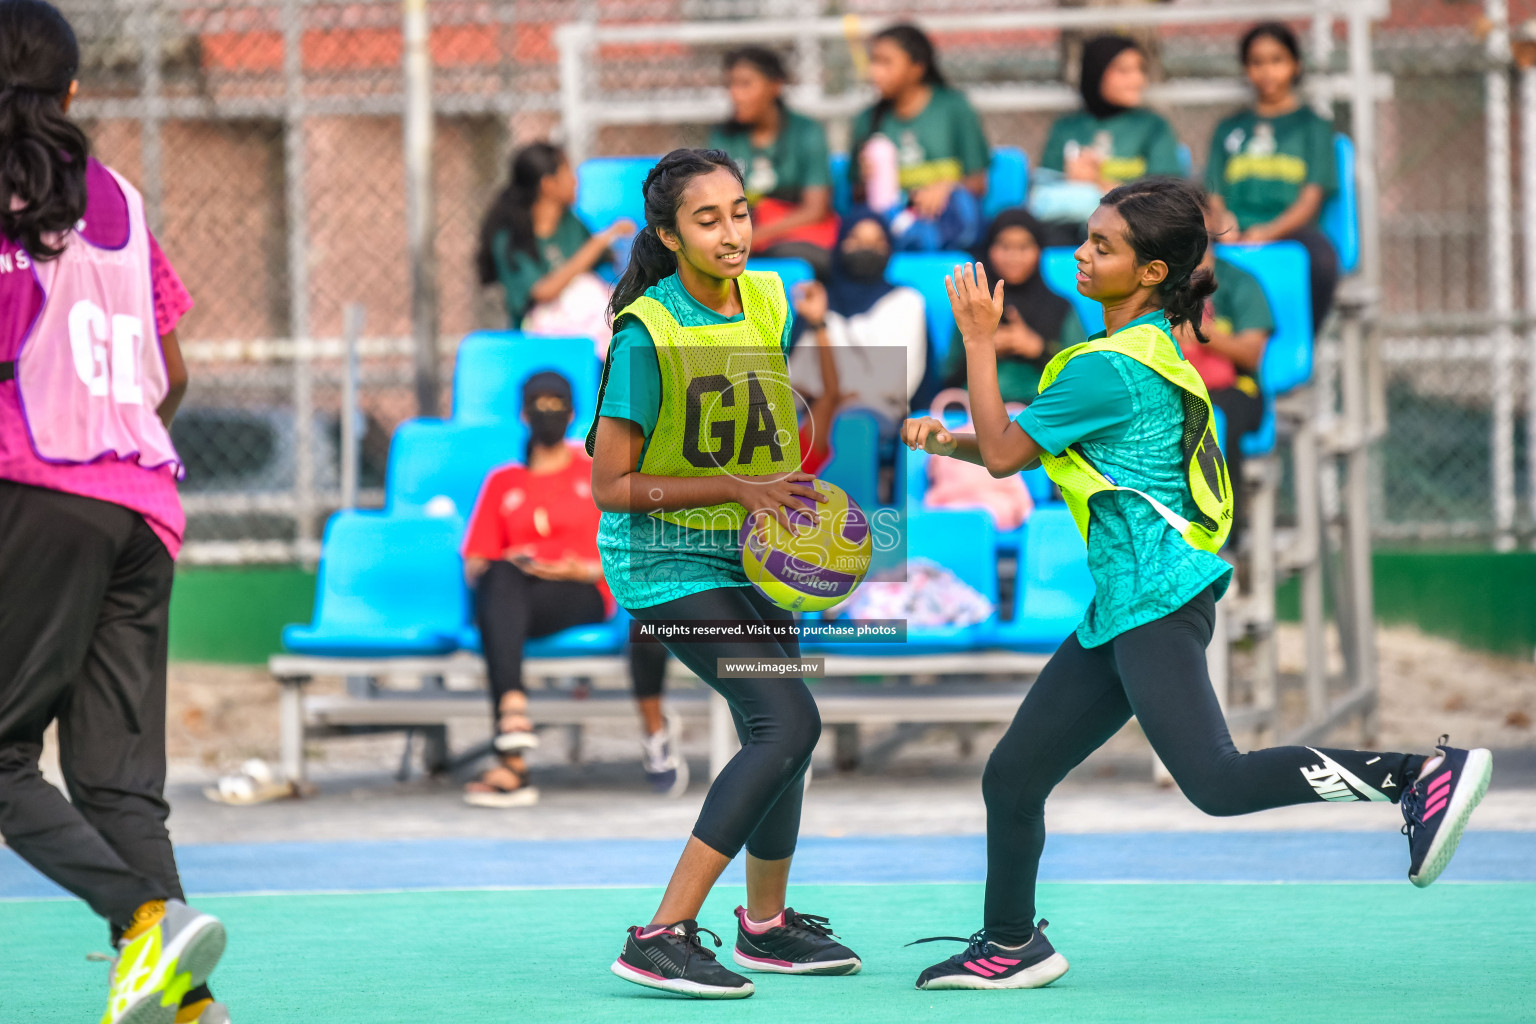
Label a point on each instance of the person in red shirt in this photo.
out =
(531, 555)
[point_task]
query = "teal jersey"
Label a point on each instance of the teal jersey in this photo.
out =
(648, 560)
(1128, 421)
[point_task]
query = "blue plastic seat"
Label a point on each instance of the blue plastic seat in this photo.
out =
(1340, 219)
(1053, 586)
(491, 366)
(1007, 180)
(1059, 270)
(388, 585)
(610, 187)
(1282, 271)
(926, 272)
(842, 188)
(1186, 160)
(433, 460)
(790, 271)
(855, 462)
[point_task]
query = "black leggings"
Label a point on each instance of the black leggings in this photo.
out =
(1323, 273)
(512, 607)
(755, 800)
(1156, 672)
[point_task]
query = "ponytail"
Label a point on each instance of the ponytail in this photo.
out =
(43, 154)
(650, 260)
(512, 209)
(1165, 220)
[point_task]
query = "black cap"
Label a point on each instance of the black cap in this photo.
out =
(547, 382)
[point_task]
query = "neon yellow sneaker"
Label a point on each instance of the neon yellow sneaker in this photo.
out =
(159, 963)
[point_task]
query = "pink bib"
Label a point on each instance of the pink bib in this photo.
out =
(91, 372)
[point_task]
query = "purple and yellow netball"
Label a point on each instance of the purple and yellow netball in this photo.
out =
(819, 564)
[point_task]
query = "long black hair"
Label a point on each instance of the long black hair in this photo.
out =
(1165, 220)
(649, 259)
(511, 210)
(915, 43)
(42, 152)
(767, 64)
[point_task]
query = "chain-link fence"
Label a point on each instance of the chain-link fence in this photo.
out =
(269, 138)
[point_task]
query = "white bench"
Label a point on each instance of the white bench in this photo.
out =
(451, 688)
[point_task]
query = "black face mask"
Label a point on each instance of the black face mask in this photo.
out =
(865, 264)
(547, 427)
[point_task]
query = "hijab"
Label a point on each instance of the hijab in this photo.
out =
(846, 294)
(1041, 309)
(1098, 52)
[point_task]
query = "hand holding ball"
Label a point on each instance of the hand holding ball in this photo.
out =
(818, 564)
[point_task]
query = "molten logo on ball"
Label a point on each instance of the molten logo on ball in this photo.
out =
(815, 567)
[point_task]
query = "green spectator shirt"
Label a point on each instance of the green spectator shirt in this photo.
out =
(944, 142)
(518, 272)
(648, 560)
(1019, 379)
(1133, 144)
(1258, 165)
(1241, 305)
(1128, 421)
(794, 161)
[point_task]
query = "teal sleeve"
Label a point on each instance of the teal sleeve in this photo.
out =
(1216, 160)
(1054, 158)
(633, 391)
(975, 155)
(1322, 169)
(716, 140)
(1163, 152)
(1086, 402)
(818, 166)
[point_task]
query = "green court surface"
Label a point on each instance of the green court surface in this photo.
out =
(1139, 952)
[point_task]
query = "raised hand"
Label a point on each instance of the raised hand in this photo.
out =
(977, 311)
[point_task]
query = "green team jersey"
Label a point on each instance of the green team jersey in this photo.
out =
(943, 142)
(1259, 165)
(1240, 304)
(518, 272)
(794, 161)
(1132, 144)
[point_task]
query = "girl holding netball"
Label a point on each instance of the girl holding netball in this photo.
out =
(90, 522)
(695, 432)
(1124, 427)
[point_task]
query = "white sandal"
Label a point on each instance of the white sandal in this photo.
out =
(255, 783)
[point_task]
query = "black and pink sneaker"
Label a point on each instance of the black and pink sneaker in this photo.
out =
(670, 957)
(985, 964)
(792, 943)
(1436, 808)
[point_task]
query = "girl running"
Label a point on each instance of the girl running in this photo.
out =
(1124, 427)
(695, 431)
(90, 522)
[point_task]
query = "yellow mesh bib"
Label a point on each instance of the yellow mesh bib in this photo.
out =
(1205, 467)
(726, 403)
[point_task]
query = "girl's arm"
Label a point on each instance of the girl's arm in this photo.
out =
(617, 486)
(584, 259)
(815, 204)
(1298, 215)
(176, 377)
(1003, 447)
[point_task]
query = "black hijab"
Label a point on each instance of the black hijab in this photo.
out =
(1040, 308)
(847, 295)
(1098, 52)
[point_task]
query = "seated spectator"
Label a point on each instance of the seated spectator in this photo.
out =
(876, 330)
(1237, 326)
(531, 555)
(783, 161)
(1037, 323)
(1271, 165)
(923, 138)
(1112, 140)
(542, 255)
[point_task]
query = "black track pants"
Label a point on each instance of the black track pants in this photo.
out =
(755, 800)
(1156, 672)
(83, 618)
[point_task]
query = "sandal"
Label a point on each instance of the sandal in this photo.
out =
(514, 730)
(255, 783)
(485, 792)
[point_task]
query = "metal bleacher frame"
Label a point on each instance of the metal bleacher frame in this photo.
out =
(1328, 431)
